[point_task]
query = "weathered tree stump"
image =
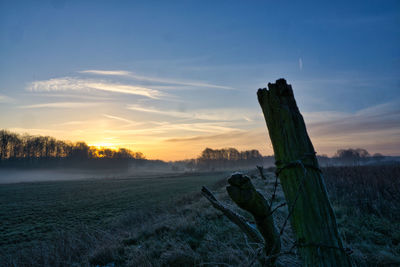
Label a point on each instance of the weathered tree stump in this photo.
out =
(243, 193)
(237, 219)
(311, 213)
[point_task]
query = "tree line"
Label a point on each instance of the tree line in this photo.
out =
(35, 150)
(351, 157)
(14, 146)
(231, 158)
(228, 157)
(225, 158)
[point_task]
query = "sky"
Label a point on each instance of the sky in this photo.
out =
(170, 78)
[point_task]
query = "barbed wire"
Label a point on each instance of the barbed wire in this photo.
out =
(296, 244)
(293, 164)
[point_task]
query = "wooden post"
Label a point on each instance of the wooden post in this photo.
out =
(261, 170)
(237, 219)
(244, 194)
(311, 213)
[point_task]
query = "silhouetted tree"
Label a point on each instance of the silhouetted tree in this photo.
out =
(378, 157)
(227, 157)
(17, 147)
(352, 156)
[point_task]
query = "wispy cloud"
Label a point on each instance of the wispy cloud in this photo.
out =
(213, 137)
(374, 119)
(71, 123)
(61, 105)
(125, 89)
(154, 79)
(201, 127)
(375, 128)
(241, 139)
(223, 114)
(77, 84)
(107, 72)
(127, 121)
(170, 113)
(167, 128)
(72, 95)
(6, 99)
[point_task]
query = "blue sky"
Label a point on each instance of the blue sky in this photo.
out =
(171, 77)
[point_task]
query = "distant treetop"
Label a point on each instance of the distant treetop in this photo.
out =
(16, 146)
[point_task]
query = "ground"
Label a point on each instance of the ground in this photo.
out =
(164, 221)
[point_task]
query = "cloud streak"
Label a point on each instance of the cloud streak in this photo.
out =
(107, 72)
(223, 114)
(61, 105)
(71, 123)
(173, 129)
(128, 122)
(154, 79)
(375, 128)
(208, 138)
(76, 84)
(378, 118)
(6, 99)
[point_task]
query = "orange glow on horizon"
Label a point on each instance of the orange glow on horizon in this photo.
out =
(105, 145)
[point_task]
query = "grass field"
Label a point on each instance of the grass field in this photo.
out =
(34, 211)
(164, 221)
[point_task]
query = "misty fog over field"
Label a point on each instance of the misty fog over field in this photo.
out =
(8, 176)
(16, 176)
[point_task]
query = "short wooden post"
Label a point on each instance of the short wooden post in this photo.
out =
(244, 194)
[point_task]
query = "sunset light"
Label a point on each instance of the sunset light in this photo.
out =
(171, 96)
(199, 133)
(104, 145)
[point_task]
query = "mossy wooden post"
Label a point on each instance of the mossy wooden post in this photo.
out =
(312, 217)
(244, 194)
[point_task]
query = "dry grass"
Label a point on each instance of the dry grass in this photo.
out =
(366, 202)
(190, 232)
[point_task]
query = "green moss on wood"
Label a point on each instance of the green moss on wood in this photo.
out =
(313, 220)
